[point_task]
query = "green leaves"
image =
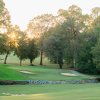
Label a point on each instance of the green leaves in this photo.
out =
(96, 53)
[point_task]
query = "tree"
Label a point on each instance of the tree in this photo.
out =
(75, 12)
(5, 26)
(96, 53)
(2, 43)
(21, 49)
(86, 58)
(95, 49)
(32, 50)
(72, 26)
(54, 50)
(54, 46)
(26, 48)
(1, 6)
(71, 31)
(4, 17)
(96, 26)
(37, 30)
(85, 62)
(95, 12)
(11, 41)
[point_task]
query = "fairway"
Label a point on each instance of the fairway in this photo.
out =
(47, 91)
(51, 92)
(12, 72)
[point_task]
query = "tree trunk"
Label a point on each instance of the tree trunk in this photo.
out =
(73, 63)
(5, 60)
(31, 60)
(60, 66)
(41, 57)
(20, 62)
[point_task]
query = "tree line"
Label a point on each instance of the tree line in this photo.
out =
(70, 38)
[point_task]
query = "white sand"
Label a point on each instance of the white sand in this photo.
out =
(68, 74)
(26, 72)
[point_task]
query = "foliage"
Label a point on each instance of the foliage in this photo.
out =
(95, 49)
(96, 53)
(54, 46)
(3, 40)
(37, 30)
(95, 12)
(4, 28)
(32, 50)
(85, 58)
(26, 48)
(21, 49)
(1, 7)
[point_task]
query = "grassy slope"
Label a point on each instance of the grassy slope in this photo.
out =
(39, 72)
(51, 92)
(11, 72)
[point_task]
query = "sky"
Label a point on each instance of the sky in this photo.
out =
(22, 11)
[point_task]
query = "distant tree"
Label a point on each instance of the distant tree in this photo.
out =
(74, 12)
(38, 26)
(87, 43)
(1, 6)
(5, 27)
(54, 46)
(95, 12)
(85, 62)
(21, 49)
(71, 31)
(95, 49)
(96, 54)
(54, 50)
(32, 50)
(3, 43)
(96, 26)
(11, 41)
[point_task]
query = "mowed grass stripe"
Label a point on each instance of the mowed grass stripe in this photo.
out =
(51, 92)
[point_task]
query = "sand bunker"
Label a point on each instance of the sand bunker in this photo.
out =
(68, 74)
(26, 72)
(9, 94)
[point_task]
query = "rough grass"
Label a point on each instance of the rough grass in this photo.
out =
(51, 92)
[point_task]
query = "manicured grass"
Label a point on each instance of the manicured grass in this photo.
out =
(44, 92)
(51, 92)
(46, 72)
(11, 72)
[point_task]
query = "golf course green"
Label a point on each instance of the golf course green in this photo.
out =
(47, 91)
